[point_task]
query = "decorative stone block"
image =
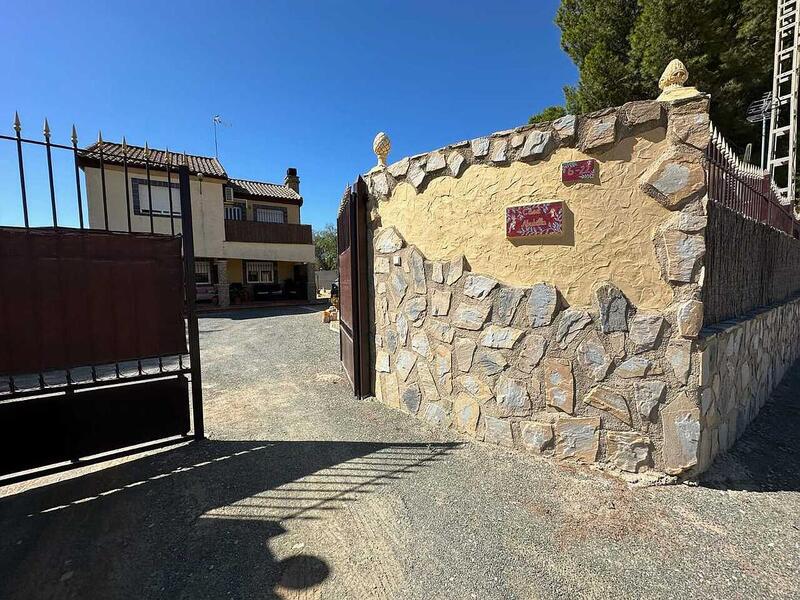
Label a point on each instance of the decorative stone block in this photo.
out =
(500, 337)
(517, 140)
(512, 398)
(388, 241)
(497, 431)
(455, 160)
(609, 401)
(436, 415)
(635, 366)
(648, 395)
(641, 112)
(404, 363)
(471, 316)
(542, 305)
(464, 350)
(478, 286)
(578, 438)
(398, 285)
(391, 340)
(689, 124)
(382, 362)
(389, 390)
(570, 324)
(566, 127)
(417, 272)
(627, 450)
(506, 300)
(437, 272)
(535, 435)
(480, 147)
(592, 356)
(679, 356)
(491, 362)
(681, 435)
(644, 331)
(559, 385)
(426, 383)
(466, 412)
(690, 318)
(537, 144)
(381, 265)
(613, 306)
(398, 169)
(402, 329)
(415, 307)
(443, 367)
(684, 253)
(499, 151)
(441, 331)
(476, 386)
(380, 184)
(456, 269)
(421, 345)
(440, 303)
(532, 352)
(675, 178)
(416, 175)
(435, 162)
(411, 398)
(597, 132)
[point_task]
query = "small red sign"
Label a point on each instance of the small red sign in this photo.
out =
(578, 170)
(527, 220)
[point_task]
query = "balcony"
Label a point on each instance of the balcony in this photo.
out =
(267, 233)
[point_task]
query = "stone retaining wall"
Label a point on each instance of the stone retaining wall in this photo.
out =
(742, 361)
(566, 363)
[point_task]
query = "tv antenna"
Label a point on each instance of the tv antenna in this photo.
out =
(217, 120)
(759, 112)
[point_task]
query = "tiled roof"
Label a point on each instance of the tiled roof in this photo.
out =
(112, 154)
(261, 188)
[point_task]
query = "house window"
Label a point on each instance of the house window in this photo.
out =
(202, 272)
(269, 215)
(233, 213)
(159, 193)
(261, 272)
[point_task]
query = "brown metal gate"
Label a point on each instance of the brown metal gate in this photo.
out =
(353, 283)
(93, 319)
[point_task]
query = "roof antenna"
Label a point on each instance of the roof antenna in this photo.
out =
(217, 120)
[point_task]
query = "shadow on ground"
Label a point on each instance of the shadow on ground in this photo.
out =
(192, 522)
(242, 314)
(767, 456)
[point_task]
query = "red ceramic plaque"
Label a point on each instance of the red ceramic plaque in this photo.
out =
(578, 170)
(530, 220)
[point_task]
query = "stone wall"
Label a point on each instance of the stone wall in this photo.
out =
(587, 363)
(748, 265)
(742, 361)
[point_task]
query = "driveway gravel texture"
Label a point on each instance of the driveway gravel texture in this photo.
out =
(302, 491)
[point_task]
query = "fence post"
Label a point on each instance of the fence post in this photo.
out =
(191, 293)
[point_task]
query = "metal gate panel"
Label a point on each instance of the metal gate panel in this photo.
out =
(88, 297)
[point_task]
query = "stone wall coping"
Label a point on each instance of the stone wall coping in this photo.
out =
(707, 333)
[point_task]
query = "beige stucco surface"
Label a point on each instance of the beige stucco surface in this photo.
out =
(611, 238)
(208, 217)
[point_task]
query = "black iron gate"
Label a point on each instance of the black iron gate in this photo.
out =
(93, 319)
(353, 292)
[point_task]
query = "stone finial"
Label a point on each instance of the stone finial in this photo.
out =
(672, 83)
(381, 146)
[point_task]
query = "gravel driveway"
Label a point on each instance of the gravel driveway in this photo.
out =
(303, 492)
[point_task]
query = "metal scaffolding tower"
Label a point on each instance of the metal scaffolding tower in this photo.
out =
(782, 153)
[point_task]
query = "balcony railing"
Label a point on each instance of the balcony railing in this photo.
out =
(267, 233)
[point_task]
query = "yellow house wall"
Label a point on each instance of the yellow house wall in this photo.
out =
(611, 238)
(208, 217)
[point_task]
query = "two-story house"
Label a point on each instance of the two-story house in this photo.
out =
(248, 239)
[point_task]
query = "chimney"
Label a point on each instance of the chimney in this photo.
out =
(292, 181)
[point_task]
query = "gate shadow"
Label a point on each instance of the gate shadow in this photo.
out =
(192, 522)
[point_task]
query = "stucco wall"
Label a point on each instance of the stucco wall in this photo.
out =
(580, 348)
(614, 221)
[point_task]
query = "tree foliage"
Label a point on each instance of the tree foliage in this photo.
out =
(326, 247)
(622, 46)
(551, 113)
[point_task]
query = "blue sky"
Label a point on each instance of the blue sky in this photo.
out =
(303, 84)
